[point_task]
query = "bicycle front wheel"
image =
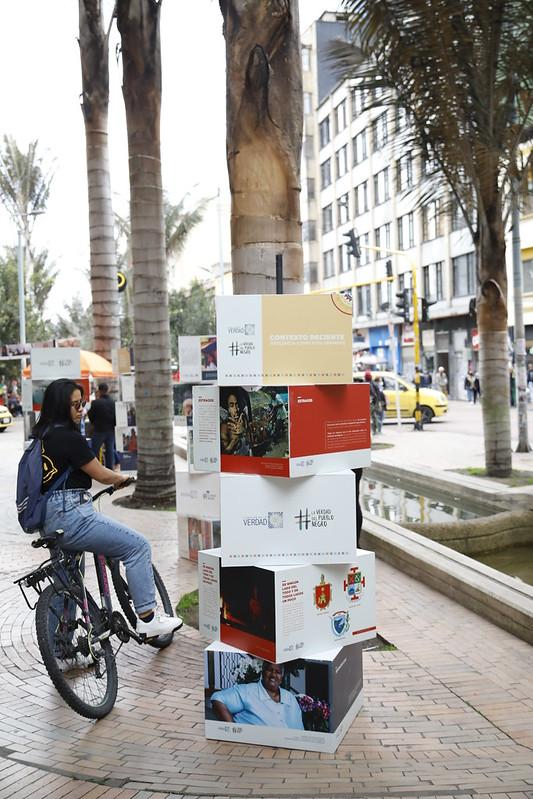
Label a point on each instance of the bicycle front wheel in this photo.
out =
(81, 667)
(126, 603)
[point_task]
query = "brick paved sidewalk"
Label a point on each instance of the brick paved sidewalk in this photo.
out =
(448, 713)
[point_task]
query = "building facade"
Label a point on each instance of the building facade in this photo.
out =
(357, 175)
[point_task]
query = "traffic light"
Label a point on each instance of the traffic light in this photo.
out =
(388, 267)
(402, 304)
(425, 305)
(353, 243)
(472, 310)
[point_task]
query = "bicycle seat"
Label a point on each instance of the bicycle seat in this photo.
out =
(48, 540)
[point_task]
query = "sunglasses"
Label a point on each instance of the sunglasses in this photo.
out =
(78, 404)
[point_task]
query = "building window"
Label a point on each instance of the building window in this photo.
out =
(329, 264)
(406, 231)
(401, 282)
(341, 161)
(325, 173)
(359, 147)
(364, 304)
(402, 119)
(364, 243)
(429, 165)
(439, 281)
(431, 225)
(381, 186)
(404, 173)
(308, 103)
(361, 198)
(343, 211)
(324, 132)
(528, 275)
(341, 116)
(327, 218)
(464, 277)
(380, 134)
(425, 282)
(306, 58)
(310, 188)
(356, 98)
(384, 298)
(311, 272)
(309, 230)
(344, 259)
(382, 239)
(458, 220)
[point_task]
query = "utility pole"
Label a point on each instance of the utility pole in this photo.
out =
(519, 331)
(419, 425)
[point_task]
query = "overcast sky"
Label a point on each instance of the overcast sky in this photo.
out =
(39, 99)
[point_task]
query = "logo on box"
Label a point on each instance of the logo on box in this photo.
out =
(275, 520)
(354, 584)
(322, 594)
(340, 623)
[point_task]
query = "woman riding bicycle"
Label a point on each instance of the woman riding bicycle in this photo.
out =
(71, 509)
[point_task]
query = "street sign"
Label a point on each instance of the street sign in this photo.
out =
(475, 339)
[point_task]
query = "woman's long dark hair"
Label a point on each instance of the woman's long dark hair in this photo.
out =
(56, 406)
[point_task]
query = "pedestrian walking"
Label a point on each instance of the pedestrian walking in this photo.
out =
(469, 385)
(441, 380)
(102, 417)
(476, 388)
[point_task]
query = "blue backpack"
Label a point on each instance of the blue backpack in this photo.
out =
(31, 504)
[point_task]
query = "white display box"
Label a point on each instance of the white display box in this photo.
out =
(269, 521)
(281, 612)
(196, 534)
(320, 698)
(197, 357)
(282, 431)
(284, 339)
(198, 495)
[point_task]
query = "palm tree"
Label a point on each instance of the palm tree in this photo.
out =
(264, 141)
(138, 23)
(94, 48)
(24, 189)
(452, 65)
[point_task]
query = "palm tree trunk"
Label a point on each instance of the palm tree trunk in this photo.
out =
(95, 100)
(264, 141)
(138, 23)
(493, 350)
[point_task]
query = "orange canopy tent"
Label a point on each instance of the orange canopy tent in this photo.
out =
(91, 364)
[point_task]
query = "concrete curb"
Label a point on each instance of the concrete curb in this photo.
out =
(503, 600)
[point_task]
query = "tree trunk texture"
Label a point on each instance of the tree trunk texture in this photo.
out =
(95, 99)
(138, 23)
(493, 349)
(264, 141)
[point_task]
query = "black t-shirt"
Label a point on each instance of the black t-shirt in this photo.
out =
(60, 449)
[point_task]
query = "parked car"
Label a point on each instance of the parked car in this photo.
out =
(432, 402)
(5, 418)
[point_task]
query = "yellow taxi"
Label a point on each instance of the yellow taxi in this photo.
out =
(432, 402)
(5, 418)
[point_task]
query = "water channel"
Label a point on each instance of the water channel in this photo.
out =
(404, 506)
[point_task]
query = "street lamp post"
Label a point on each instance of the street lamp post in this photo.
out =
(21, 292)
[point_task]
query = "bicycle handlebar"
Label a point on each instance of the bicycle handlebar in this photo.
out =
(111, 489)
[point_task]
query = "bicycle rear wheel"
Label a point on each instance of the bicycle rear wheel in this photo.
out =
(82, 669)
(124, 597)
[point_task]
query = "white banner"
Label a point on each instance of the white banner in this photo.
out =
(55, 362)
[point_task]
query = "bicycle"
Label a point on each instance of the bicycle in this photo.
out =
(74, 633)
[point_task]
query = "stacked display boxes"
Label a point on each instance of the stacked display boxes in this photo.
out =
(287, 598)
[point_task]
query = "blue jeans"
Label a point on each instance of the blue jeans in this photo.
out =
(108, 438)
(85, 530)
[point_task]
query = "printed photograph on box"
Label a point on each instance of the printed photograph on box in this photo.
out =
(201, 534)
(125, 414)
(267, 521)
(278, 612)
(254, 422)
(208, 351)
(126, 439)
(247, 696)
(278, 339)
(182, 399)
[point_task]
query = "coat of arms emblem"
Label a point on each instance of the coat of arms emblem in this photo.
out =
(322, 594)
(354, 584)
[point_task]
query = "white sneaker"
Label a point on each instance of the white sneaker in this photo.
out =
(159, 625)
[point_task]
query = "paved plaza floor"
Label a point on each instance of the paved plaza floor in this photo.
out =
(449, 712)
